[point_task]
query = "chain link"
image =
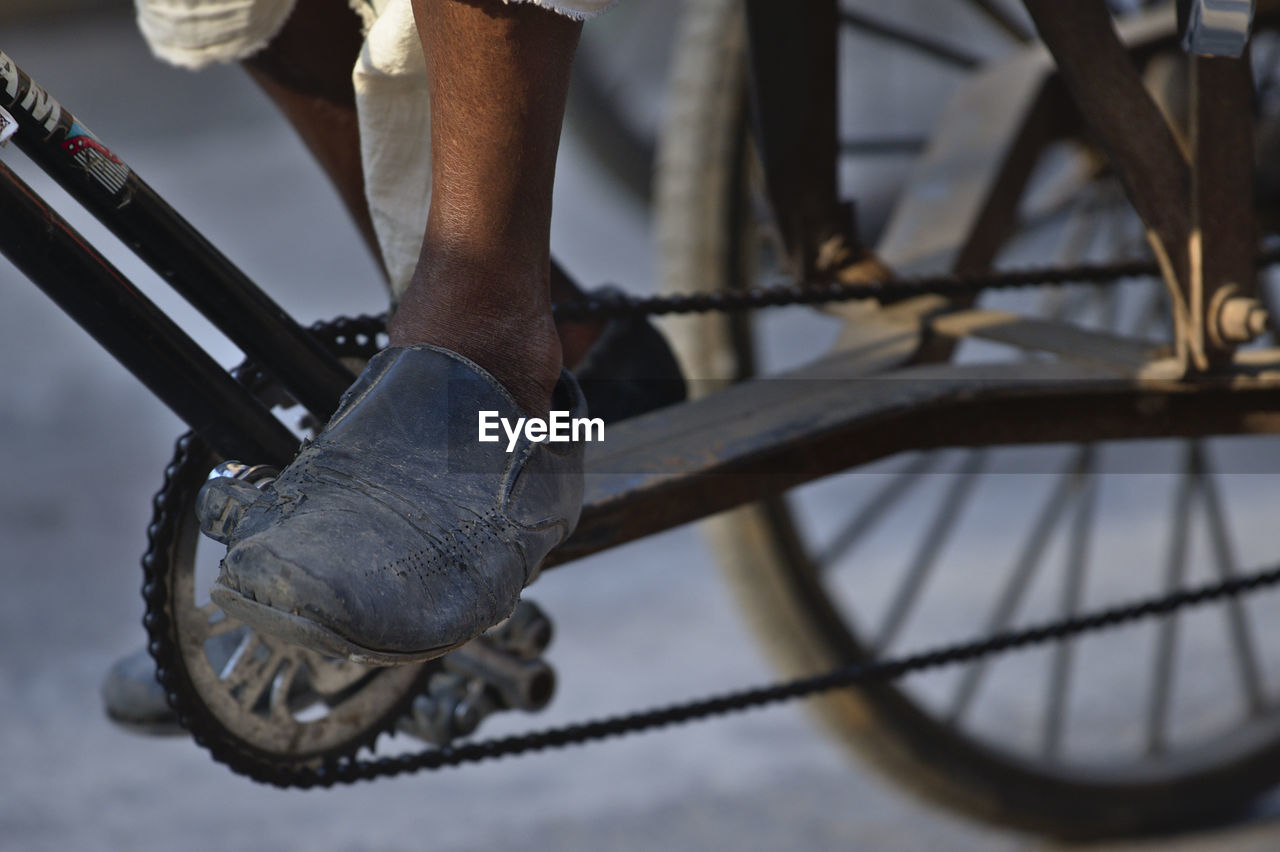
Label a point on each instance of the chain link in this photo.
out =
(731, 301)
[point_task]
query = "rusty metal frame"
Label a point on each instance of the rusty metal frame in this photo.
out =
(1196, 205)
(961, 199)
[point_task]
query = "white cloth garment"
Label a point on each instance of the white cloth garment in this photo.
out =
(392, 108)
(390, 85)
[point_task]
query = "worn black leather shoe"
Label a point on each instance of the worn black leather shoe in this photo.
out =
(396, 535)
(630, 369)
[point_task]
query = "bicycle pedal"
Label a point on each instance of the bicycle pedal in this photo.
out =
(232, 486)
(501, 670)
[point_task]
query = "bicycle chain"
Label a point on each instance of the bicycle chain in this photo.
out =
(363, 331)
(729, 301)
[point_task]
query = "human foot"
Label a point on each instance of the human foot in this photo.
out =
(497, 315)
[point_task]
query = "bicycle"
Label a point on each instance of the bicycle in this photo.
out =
(620, 510)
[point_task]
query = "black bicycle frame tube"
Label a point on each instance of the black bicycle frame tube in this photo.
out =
(51, 136)
(104, 303)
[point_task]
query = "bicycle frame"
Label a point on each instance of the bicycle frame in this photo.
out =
(99, 298)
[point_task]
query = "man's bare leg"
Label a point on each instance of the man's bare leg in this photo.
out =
(313, 89)
(306, 71)
(397, 534)
(499, 76)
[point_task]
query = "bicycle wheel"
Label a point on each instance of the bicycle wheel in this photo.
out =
(1146, 730)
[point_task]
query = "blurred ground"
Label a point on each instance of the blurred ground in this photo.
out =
(83, 447)
(27, 10)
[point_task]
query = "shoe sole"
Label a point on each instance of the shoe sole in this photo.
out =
(297, 630)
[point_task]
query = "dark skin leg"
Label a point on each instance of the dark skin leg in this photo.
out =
(498, 79)
(499, 76)
(313, 89)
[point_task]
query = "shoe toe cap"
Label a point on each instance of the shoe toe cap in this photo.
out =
(427, 597)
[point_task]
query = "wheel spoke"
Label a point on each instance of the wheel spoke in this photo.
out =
(247, 674)
(1083, 224)
(877, 507)
(1175, 571)
(1087, 221)
(926, 556)
(1002, 18)
(878, 146)
(281, 686)
(329, 676)
(1225, 560)
(216, 628)
(1120, 239)
(1069, 604)
(1024, 570)
(1083, 227)
(926, 45)
(1128, 234)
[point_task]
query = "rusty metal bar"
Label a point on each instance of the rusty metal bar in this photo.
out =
(1143, 150)
(1224, 234)
(793, 51)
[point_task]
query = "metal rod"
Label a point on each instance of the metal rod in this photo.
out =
(926, 555)
(1225, 229)
(1175, 573)
(883, 146)
(1024, 570)
(793, 50)
(1143, 150)
(1225, 562)
(281, 687)
(1069, 605)
(93, 292)
(92, 174)
(877, 507)
(931, 47)
(1082, 228)
(1004, 19)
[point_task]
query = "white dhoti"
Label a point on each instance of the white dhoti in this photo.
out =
(390, 85)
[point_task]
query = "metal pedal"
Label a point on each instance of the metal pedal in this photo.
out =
(501, 670)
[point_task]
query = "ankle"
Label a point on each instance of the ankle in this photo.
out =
(509, 334)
